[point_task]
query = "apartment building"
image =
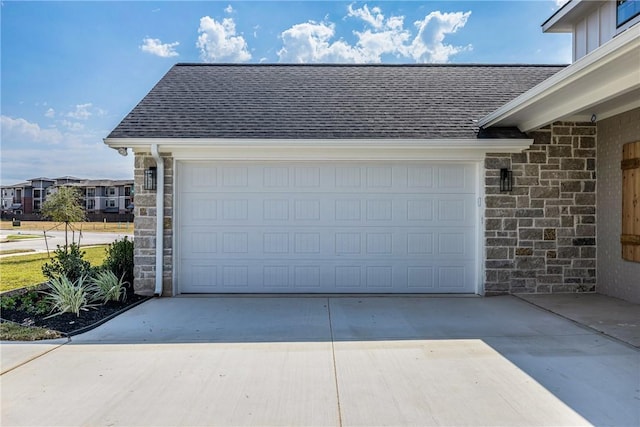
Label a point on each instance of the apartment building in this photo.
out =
(98, 196)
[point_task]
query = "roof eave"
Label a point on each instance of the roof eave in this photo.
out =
(452, 143)
(579, 88)
(472, 149)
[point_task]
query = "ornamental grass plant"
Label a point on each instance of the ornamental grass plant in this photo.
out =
(107, 287)
(66, 296)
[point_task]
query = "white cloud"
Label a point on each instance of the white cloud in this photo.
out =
(81, 112)
(314, 42)
(560, 3)
(21, 131)
(228, 9)
(373, 17)
(29, 150)
(50, 113)
(72, 126)
(429, 46)
(156, 47)
(310, 42)
(218, 41)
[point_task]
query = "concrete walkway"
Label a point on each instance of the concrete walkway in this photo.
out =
(330, 361)
(611, 316)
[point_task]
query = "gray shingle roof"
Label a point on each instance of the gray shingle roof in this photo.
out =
(326, 101)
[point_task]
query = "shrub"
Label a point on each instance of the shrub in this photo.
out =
(108, 287)
(120, 259)
(66, 296)
(9, 303)
(68, 262)
(31, 302)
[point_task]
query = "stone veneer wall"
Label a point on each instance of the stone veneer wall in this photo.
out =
(144, 247)
(541, 237)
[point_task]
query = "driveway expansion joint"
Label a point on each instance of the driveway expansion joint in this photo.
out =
(335, 368)
(32, 358)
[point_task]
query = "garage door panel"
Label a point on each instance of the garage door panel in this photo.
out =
(250, 227)
(303, 276)
(285, 243)
(329, 211)
(255, 177)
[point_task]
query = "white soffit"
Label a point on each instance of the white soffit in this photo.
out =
(267, 149)
(605, 82)
(565, 18)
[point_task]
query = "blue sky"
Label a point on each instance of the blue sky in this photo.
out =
(70, 71)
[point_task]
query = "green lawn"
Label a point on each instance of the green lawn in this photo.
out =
(13, 332)
(13, 237)
(18, 237)
(15, 251)
(26, 270)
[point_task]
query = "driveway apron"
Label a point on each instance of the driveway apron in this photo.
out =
(330, 361)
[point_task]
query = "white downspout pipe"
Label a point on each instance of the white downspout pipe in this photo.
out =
(159, 219)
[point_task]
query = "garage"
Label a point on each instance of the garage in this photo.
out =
(326, 227)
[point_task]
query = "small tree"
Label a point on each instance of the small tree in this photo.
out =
(64, 206)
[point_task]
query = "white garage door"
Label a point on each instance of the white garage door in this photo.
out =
(321, 227)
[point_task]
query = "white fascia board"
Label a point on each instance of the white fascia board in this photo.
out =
(564, 19)
(333, 149)
(583, 73)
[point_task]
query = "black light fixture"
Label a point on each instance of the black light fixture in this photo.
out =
(506, 180)
(150, 178)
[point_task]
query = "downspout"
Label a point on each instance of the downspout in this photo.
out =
(159, 219)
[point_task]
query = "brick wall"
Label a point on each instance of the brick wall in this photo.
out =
(540, 238)
(144, 248)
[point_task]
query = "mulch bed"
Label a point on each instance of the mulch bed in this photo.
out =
(70, 324)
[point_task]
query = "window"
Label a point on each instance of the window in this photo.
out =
(127, 191)
(111, 191)
(37, 194)
(91, 204)
(36, 205)
(111, 203)
(91, 192)
(627, 10)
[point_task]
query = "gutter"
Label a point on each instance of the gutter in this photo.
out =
(159, 219)
(171, 144)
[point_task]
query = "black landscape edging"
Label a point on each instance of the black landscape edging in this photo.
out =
(104, 320)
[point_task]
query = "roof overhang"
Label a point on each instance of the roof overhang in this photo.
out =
(571, 12)
(603, 83)
(324, 149)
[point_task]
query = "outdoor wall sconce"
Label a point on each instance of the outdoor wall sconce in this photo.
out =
(506, 180)
(150, 178)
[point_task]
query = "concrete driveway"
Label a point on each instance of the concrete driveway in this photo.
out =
(298, 361)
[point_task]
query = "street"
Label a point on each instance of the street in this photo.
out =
(87, 238)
